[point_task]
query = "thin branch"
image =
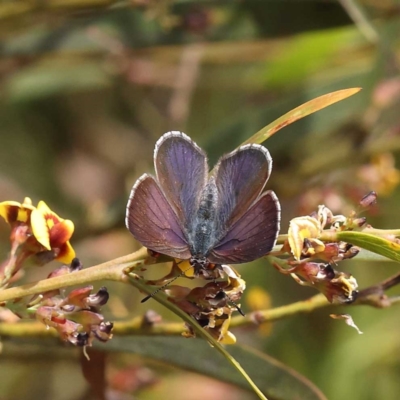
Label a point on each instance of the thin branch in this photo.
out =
(274, 314)
(186, 78)
(117, 270)
(375, 295)
(135, 326)
(112, 270)
(138, 326)
(360, 19)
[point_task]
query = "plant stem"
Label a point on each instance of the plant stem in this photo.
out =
(274, 314)
(112, 270)
(360, 19)
(136, 325)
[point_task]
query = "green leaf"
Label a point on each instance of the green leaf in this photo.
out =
(372, 243)
(300, 112)
(276, 380)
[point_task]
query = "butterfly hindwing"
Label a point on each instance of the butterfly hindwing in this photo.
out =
(252, 235)
(240, 178)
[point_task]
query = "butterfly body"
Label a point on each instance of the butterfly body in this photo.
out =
(202, 235)
(219, 219)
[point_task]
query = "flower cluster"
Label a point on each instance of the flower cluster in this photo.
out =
(38, 231)
(76, 316)
(35, 231)
(312, 261)
(338, 287)
(210, 305)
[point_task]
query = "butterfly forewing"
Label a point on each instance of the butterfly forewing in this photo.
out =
(181, 168)
(252, 235)
(152, 221)
(240, 178)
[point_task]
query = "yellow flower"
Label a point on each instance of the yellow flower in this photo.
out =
(53, 232)
(34, 231)
(302, 228)
(13, 211)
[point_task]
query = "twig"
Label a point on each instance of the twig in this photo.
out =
(274, 314)
(375, 295)
(186, 78)
(360, 19)
(112, 270)
(136, 325)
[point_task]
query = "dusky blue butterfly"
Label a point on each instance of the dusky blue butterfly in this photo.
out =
(221, 219)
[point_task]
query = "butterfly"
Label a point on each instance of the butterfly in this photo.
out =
(209, 220)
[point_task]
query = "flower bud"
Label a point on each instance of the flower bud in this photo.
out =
(368, 200)
(98, 299)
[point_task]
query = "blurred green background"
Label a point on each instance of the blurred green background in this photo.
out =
(86, 89)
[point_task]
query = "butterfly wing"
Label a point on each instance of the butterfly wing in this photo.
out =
(252, 235)
(152, 221)
(181, 168)
(240, 178)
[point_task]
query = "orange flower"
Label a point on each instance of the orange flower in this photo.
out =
(14, 212)
(53, 232)
(34, 231)
(76, 317)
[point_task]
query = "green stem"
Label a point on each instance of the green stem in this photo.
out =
(137, 325)
(274, 314)
(112, 270)
(281, 238)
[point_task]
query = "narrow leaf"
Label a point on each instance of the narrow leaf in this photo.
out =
(300, 112)
(275, 379)
(372, 243)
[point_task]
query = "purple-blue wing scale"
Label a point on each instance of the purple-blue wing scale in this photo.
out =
(153, 222)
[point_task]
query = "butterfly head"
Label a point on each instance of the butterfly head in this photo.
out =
(203, 267)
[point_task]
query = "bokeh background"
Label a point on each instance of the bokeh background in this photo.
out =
(86, 89)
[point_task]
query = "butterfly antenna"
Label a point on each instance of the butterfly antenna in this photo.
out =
(230, 301)
(237, 307)
(165, 285)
